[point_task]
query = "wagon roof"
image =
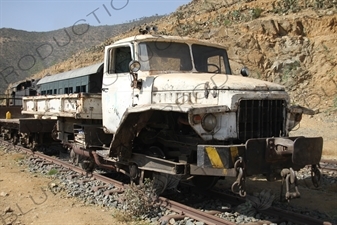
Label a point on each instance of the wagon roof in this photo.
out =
(72, 73)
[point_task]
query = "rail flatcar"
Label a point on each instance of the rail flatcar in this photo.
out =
(36, 131)
(24, 129)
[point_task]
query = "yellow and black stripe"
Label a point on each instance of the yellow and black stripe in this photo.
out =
(219, 157)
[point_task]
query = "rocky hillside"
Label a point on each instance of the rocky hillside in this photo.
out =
(291, 42)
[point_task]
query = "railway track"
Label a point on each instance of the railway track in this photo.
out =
(279, 214)
(182, 210)
(329, 165)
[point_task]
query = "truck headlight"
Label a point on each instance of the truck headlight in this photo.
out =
(208, 122)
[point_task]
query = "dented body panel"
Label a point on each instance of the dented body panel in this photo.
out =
(79, 106)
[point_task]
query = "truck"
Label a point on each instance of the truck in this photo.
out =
(171, 109)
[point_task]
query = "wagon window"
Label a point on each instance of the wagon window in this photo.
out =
(68, 90)
(83, 88)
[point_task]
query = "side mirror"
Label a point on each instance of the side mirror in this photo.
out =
(244, 72)
(134, 66)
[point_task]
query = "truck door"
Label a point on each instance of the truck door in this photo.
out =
(116, 87)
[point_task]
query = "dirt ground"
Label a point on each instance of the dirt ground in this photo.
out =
(324, 125)
(26, 199)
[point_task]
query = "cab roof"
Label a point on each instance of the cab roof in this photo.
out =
(166, 38)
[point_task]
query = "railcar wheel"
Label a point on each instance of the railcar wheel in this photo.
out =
(160, 181)
(84, 163)
(34, 145)
(23, 141)
(164, 181)
(204, 182)
(87, 164)
(74, 158)
(134, 173)
(15, 139)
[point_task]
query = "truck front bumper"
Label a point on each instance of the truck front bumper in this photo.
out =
(260, 156)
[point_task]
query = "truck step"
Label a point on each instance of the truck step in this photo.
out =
(103, 153)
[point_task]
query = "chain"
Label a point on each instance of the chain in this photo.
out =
(239, 184)
(289, 178)
(315, 175)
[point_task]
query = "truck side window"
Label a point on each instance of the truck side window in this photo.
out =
(122, 59)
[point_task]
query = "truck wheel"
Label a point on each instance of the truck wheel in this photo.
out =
(160, 181)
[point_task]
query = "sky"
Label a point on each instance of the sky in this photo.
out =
(47, 15)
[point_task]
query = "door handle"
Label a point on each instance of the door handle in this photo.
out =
(105, 89)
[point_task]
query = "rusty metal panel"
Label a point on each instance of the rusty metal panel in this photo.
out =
(255, 156)
(262, 154)
(159, 165)
(37, 125)
(218, 156)
(307, 151)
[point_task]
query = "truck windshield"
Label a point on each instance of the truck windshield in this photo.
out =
(173, 56)
(165, 56)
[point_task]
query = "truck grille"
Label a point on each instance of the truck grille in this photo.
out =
(260, 118)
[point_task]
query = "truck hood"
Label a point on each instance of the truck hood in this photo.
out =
(199, 81)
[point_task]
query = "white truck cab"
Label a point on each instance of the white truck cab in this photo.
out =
(176, 98)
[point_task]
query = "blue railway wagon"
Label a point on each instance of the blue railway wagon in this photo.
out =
(85, 80)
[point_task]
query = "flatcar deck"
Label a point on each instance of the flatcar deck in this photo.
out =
(29, 125)
(6, 121)
(10, 123)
